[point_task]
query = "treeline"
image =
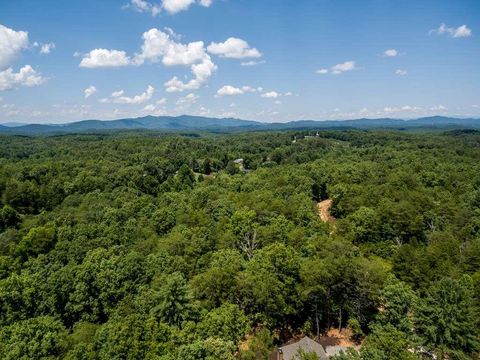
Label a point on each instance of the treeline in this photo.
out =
(154, 246)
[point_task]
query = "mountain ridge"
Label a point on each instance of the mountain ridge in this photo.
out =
(199, 123)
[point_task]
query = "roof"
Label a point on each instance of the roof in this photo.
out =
(306, 344)
(335, 350)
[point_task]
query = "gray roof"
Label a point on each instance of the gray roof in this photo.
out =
(306, 344)
(335, 350)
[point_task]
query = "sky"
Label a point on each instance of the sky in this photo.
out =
(265, 60)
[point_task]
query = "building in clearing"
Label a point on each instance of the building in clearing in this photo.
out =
(291, 351)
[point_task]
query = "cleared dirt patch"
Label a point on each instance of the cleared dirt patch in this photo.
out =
(339, 338)
(323, 208)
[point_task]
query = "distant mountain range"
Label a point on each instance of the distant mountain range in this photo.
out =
(197, 123)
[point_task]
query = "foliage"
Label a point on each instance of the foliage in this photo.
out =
(158, 246)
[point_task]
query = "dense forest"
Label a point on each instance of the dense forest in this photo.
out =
(142, 245)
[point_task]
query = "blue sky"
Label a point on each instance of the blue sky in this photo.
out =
(266, 60)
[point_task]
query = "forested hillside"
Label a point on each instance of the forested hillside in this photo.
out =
(151, 246)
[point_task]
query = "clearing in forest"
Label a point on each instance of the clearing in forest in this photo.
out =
(323, 208)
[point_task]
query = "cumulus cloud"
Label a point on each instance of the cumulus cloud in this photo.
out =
(26, 76)
(105, 58)
(234, 48)
(90, 91)
(252, 63)
(187, 100)
(118, 97)
(339, 68)
(343, 67)
(459, 32)
(156, 109)
(164, 47)
(170, 6)
(229, 90)
(271, 95)
(11, 44)
(144, 7)
(161, 46)
(47, 48)
(175, 6)
(401, 72)
(201, 72)
(391, 53)
(118, 93)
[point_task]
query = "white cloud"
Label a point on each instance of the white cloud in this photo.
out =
(205, 3)
(170, 6)
(158, 109)
(461, 31)
(145, 7)
(278, 102)
(401, 72)
(271, 95)
(202, 73)
(105, 58)
(439, 108)
(118, 93)
(339, 68)
(391, 53)
(187, 100)
(229, 90)
(47, 48)
(389, 109)
(252, 63)
(118, 98)
(160, 46)
(90, 91)
(249, 89)
(26, 76)
(11, 44)
(175, 6)
(233, 48)
(289, 93)
(343, 67)
(149, 107)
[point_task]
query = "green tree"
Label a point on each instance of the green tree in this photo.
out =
(174, 299)
(227, 322)
(9, 217)
(35, 338)
(445, 319)
(398, 301)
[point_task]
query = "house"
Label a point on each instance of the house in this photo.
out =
(335, 350)
(291, 351)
